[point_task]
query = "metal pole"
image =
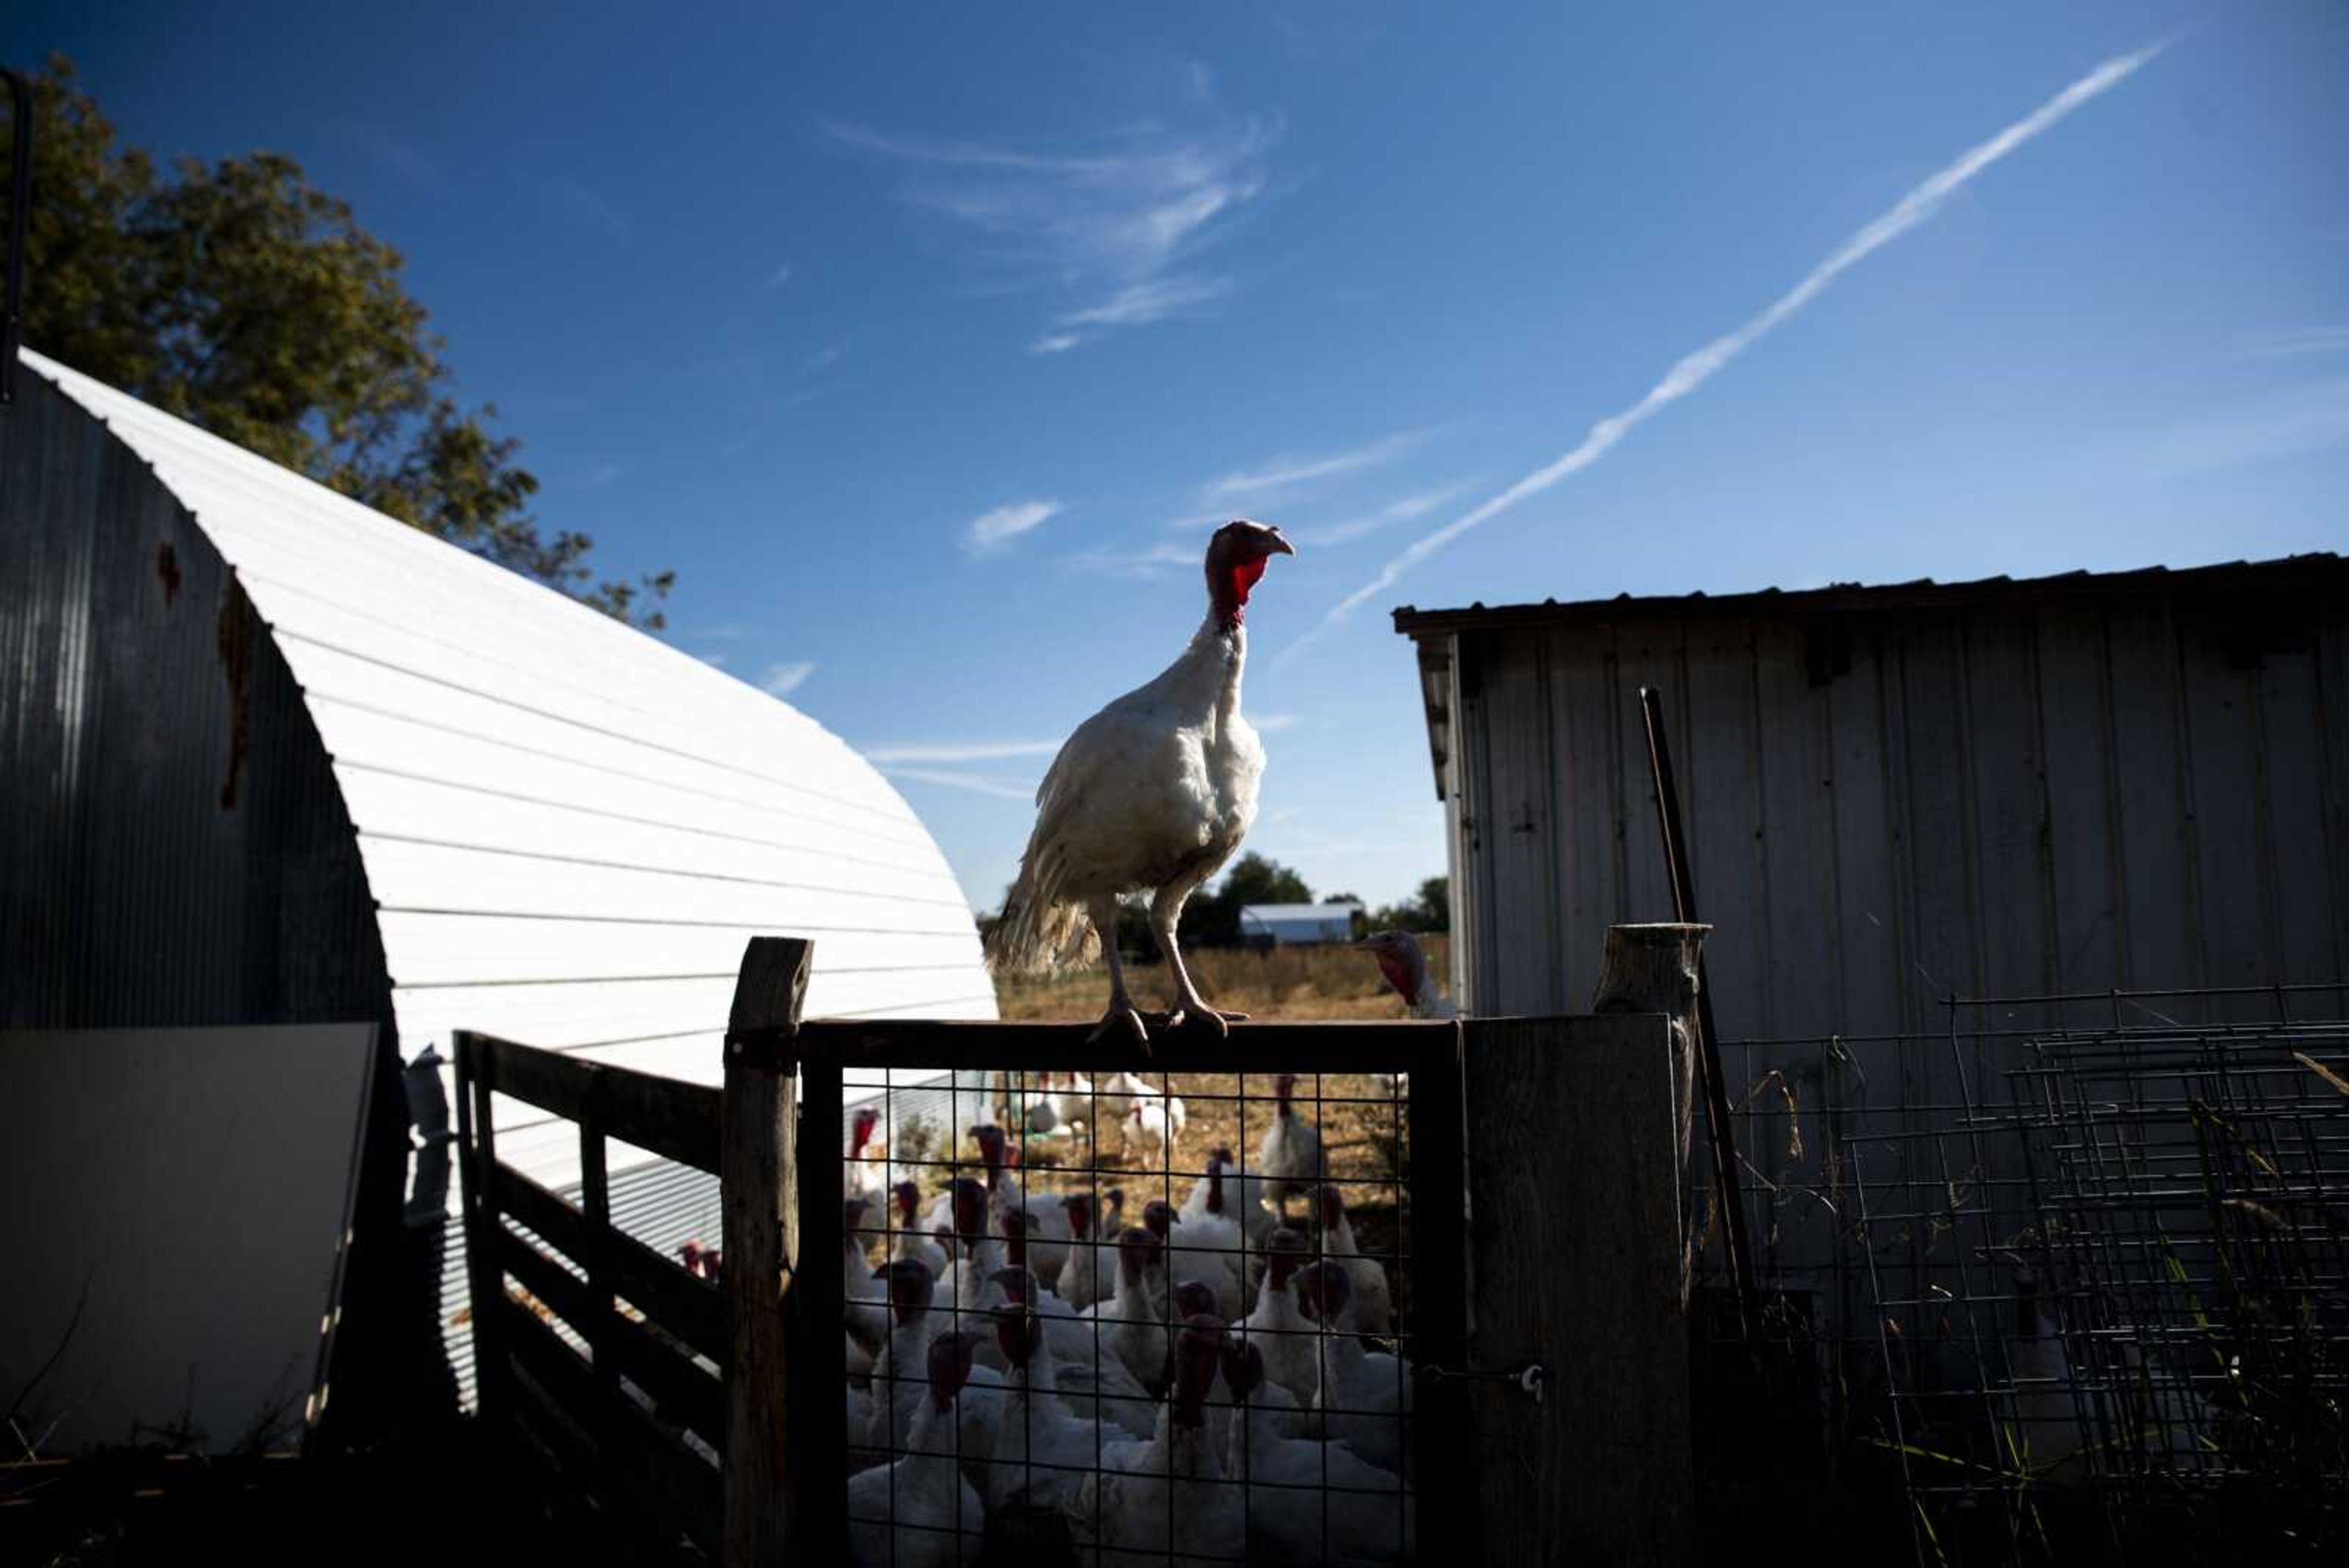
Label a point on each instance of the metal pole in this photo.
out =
(1716, 1095)
(20, 212)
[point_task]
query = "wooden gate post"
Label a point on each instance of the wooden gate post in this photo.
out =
(758, 1172)
(1654, 968)
(1575, 1248)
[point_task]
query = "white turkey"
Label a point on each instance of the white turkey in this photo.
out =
(910, 1237)
(1317, 1503)
(1278, 1327)
(1126, 1510)
(1152, 794)
(1290, 1158)
(919, 1511)
(1043, 1450)
(1372, 1309)
(1405, 968)
(1008, 1192)
(867, 1174)
(1364, 1398)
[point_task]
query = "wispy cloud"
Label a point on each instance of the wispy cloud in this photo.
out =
(993, 530)
(1273, 723)
(960, 750)
(1288, 473)
(823, 358)
(2298, 343)
(1136, 561)
(2314, 416)
(783, 680)
(1109, 229)
(1693, 370)
(599, 476)
(725, 631)
(715, 660)
(585, 204)
(977, 783)
(777, 278)
(403, 157)
(1402, 511)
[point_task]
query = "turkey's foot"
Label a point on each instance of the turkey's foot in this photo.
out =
(1121, 1017)
(1199, 1015)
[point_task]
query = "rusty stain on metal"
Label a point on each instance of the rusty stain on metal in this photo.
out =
(236, 666)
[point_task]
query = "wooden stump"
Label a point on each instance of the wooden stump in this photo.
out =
(1653, 968)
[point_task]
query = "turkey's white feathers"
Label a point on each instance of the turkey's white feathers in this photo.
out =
(1154, 792)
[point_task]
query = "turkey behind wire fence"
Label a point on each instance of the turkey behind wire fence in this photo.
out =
(2067, 1276)
(1154, 1318)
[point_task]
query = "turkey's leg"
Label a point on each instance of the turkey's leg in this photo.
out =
(1165, 914)
(1121, 1013)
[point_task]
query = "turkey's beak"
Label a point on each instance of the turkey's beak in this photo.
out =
(1278, 546)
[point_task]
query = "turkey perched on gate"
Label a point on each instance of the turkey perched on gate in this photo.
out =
(1152, 794)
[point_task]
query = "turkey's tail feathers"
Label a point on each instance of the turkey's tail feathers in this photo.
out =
(1037, 934)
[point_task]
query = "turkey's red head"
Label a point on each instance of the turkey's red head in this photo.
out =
(969, 1207)
(1195, 1298)
(1400, 961)
(949, 1365)
(867, 1118)
(1236, 556)
(1081, 1214)
(1243, 1367)
(909, 1198)
(1322, 1291)
(1159, 1215)
(1018, 1332)
(1198, 1349)
(910, 1283)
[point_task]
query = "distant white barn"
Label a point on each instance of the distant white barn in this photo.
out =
(1298, 925)
(273, 756)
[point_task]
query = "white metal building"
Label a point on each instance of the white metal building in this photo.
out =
(1298, 925)
(276, 757)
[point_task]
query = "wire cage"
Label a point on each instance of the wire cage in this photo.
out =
(2064, 1277)
(1144, 1316)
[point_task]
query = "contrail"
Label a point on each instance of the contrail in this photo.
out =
(1694, 369)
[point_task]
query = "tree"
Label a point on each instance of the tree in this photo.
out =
(1212, 921)
(240, 297)
(1430, 910)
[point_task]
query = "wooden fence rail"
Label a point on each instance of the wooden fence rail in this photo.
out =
(714, 1409)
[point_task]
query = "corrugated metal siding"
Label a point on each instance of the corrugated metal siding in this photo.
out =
(1995, 799)
(568, 829)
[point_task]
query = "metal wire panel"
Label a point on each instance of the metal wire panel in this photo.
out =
(1198, 1412)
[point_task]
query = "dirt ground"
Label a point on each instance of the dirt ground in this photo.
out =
(1365, 1132)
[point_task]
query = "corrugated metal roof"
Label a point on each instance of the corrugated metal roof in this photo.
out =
(569, 828)
(1340, 911)
(2318, 570)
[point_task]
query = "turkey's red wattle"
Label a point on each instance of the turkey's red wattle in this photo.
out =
(1244, 575)
(1397, 975)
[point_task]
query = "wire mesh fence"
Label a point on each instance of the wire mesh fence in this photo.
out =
(1156, 1317)
(2065, 1276)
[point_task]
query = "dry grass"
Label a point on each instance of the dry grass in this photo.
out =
(1297, 983)
(1365, 1134)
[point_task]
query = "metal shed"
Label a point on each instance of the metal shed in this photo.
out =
(271, 757)
(1296, 925)
(1896, 793)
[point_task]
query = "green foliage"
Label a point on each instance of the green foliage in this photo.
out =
(1214, 919)
(240, 297)
(1430, 912)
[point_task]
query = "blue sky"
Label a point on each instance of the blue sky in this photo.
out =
(927, 343)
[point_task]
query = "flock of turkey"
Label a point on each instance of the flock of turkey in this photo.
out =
(1115, 1378)
(1208, 1382)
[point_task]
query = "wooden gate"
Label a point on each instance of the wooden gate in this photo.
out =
(711, 1409)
